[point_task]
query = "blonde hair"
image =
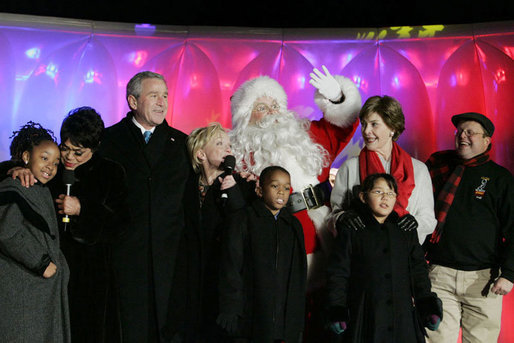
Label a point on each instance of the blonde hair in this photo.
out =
(199, 138)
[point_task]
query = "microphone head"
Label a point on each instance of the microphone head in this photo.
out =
(229, 164)
(68, 177)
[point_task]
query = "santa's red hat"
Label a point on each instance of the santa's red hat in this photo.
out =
(243, 99)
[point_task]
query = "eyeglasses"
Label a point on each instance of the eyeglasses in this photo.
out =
(66, 149)
(468, 133)
(263, 108)
(377, 193)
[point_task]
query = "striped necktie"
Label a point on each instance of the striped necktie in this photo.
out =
(147, 135)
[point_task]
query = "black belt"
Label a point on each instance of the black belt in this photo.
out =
(309, 198)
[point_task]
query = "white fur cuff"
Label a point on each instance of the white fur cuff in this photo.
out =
(345, 113)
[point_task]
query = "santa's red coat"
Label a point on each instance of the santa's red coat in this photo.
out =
(333, 138)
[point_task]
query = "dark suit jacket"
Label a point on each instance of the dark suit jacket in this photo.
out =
(144, 257)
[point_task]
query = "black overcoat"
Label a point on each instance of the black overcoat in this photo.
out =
(194, 305)
(375, 276)
(249, 274)
(144, 257)
(213, 218)
(86, 243)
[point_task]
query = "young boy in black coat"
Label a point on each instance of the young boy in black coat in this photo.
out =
(263, 267)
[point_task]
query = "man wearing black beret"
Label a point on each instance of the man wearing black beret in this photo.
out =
(471, 251)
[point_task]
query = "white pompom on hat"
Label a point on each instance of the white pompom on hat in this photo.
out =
(241, 103)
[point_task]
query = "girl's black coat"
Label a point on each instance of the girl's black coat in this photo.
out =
(374, 275)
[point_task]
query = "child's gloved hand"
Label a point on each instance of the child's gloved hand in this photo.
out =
(338, 327)
(351, 219)
(229, 322)
(432, 322)
(408, 223)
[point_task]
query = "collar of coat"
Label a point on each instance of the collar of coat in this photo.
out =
(14, 193)
(158, 131)
(262, 211)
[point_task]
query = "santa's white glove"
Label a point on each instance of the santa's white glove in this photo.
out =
(326, 84)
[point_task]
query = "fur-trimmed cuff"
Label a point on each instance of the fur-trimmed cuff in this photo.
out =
(430, 305)
(345, 113)
(338, 314)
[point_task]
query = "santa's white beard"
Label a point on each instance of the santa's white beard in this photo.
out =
(283, 140)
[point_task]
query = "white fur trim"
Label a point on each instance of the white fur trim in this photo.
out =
(316, 265)
(299, 178)
(242, 101)
(317, 262)
(345, 113)
(318, 217)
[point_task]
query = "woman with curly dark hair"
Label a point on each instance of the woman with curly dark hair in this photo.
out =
(97, 215)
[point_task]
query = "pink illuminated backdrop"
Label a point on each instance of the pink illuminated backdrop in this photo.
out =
(49, 66)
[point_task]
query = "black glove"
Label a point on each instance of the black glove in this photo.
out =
(229, 322)
(350, 219)
(408, 223)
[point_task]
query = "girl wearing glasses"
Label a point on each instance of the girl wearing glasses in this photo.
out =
(378, 285)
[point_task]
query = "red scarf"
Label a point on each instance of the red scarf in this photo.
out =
(401, 169)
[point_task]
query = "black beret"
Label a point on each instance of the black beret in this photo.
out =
(480, 118)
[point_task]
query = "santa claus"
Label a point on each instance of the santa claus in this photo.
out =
(266, 133)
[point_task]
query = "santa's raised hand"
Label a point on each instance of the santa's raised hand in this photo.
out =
(326, 84)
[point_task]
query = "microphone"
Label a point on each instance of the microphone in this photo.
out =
(228, 165)
(68, 178)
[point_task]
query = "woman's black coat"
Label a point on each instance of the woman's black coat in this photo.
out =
(87, 245)
(194, 301)
(376, 274)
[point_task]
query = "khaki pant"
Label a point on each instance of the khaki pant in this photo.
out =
(465, 306)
